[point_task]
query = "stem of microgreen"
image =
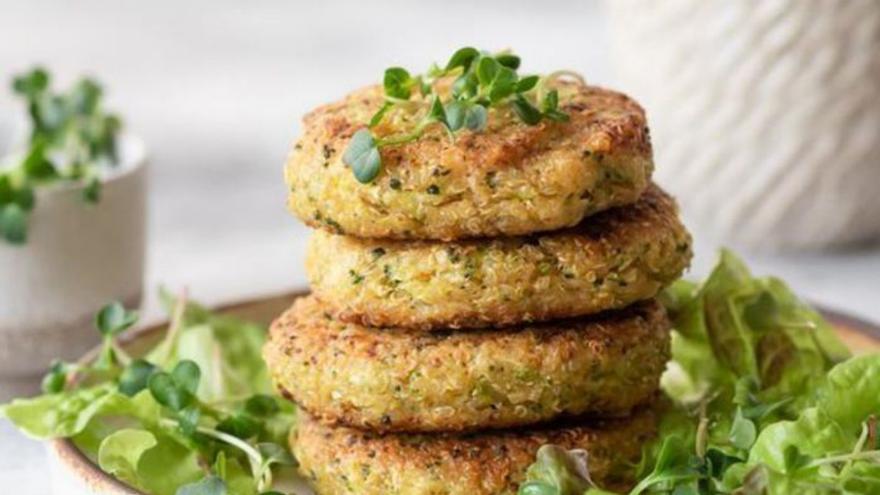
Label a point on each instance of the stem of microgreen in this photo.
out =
(702, 436)
(872, 455)
(169, 345)
(255, 459)
(408, 137)
(860, 444)
(121, 354)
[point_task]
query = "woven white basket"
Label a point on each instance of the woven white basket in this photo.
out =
(765, 114)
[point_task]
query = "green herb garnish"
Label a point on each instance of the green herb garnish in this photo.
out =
(72, 140)
(481, 81)
(195, 415)
(765, 400)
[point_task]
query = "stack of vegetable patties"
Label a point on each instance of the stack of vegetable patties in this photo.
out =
(479, 298)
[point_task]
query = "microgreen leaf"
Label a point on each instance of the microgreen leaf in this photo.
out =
(113, 319)
(261, 405)
(186, 375)
(437, 113)
(176, 390)
(551, 101)
(92, 190)
(24, 197)
(527, 83)
(36, 166)
(363, 157)
(526, 111)
(31, 83)
(136, 376)
(508, 60)
(55, 379)
(456, 112)
(463, 57)
(503, 84)
(550, 107)
(162, 388)
(85, 96)
(487, 69)
(7, 194)
(465, 86)
(13, 223)
(398, 83)
(476, 118)
(188, 419)
(241, 426)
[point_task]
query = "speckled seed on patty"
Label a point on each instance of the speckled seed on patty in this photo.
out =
(616, 258)
(509, 179)
(347, 461)
(398, 380)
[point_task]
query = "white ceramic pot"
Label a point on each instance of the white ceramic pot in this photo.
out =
(765, 114)
(77, 257)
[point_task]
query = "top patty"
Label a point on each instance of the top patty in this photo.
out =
(509, 179)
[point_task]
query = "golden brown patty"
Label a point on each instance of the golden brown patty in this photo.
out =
(398, 380)
(349, 461)
(611, 260)
(510, 179)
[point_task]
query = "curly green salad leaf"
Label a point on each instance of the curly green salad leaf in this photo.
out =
(194, 415)
(763, 399)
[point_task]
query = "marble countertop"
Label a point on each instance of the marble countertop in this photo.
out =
(216, 90)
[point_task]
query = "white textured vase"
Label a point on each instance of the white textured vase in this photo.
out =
(765, 114)
(77, 257)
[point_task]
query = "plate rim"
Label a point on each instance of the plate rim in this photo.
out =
(79, 463)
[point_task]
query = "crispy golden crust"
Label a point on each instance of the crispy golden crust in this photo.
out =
(618, 257)
(349, 461)
(399, 380)
(510, 179)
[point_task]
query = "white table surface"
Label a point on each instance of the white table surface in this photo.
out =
(216, 88)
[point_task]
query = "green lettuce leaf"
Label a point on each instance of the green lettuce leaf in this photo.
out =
(829, 448)
(121, 451)
(60, 415)
(764, 398)
(734, 328)
(557, 471)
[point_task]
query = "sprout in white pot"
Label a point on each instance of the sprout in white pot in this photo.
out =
(71, 140)
(72, 225)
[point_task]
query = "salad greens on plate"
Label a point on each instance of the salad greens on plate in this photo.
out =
(195, 415)
(760, 398)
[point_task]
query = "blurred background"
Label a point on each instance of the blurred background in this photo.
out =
(216, 90)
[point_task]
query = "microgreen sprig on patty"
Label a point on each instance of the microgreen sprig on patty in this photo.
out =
(482, 81)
